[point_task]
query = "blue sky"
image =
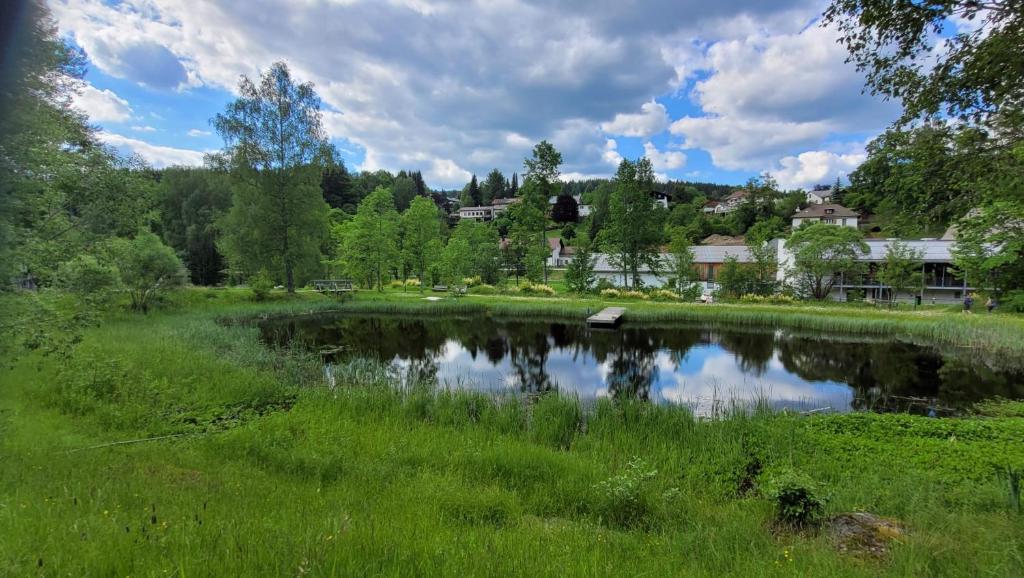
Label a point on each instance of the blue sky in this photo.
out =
(709, 91)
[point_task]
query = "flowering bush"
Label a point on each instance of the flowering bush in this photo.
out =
(537, 289)
(664, 295)
(611, 293)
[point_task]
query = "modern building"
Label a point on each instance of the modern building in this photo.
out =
(826, 213)
(941, 284)
(499, 206)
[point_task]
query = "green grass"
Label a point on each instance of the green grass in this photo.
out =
(274, 474)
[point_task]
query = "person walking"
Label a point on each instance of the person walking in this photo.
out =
(968, 303)
(990, 304)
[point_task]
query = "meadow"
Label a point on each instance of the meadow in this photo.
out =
(252, 466)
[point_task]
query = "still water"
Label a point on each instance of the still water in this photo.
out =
(701, 366)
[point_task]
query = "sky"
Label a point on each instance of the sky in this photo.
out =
(709, 91)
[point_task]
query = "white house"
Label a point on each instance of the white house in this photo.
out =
(819, 197)
(826, 213)
(477, 213)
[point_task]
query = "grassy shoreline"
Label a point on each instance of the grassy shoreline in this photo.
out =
(276, 475)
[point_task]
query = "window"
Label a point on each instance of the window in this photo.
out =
(829, 211)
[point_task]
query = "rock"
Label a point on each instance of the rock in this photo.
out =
(862, 533)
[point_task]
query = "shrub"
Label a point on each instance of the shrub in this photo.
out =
(471, 281)
(396, 284)
(261, 284)
(147, 267)
(770, 299)
(611, 293)
(537, 289)
(634, 295)
(483, 289)
(626, 500)
(798, 503)
(1013, 301)
(603, 284)
(664, 295)
(412, 282)
(86, 276)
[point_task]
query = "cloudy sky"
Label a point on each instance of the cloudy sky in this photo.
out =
(711, 91)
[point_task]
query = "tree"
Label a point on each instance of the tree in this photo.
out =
(191, 202)
(822, 254)
(338, 190)
(369, 246)
(403, 190)
(476, 252)
(529, 215)
(989, 248)
(421, 237)
(901, 270)
(421, 187)
(565, 210)
(473, 193)
(764, 257)
(977, 71)
(513, 189)
(146, 267)
(579, 274)
(680, 262)
(493, 187)
(735, 279)
(278, 150)
(634, 230)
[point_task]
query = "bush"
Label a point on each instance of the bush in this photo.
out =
(664, 295)
(147, 267)
(603, 284)
(634, 295)
(412, 282)
(471, 281)
(396, 284)
(483, 289)
(626, 500)
(1013, 301)
(261, 284)
(798, 503)
(86, 276)
(537, 289)
(610, 293)
(769, 299)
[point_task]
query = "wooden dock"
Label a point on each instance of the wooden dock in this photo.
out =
(607, 317)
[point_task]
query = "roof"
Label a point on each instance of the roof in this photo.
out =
(485, 208)
(723, 240)
(817, 211)
(554, 243)
(711, 203)
(504, 201)
(718, 253)
(736, 195)
(932, 250)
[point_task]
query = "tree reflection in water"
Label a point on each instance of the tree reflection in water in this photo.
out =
(625, 363)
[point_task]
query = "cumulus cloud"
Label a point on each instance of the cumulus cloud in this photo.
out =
(102, 105)
(772, 96)
(815, 167)
(458, 88)
(158, 156)
(651, 120)
(664, 160)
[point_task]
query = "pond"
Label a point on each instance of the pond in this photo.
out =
(704, 367)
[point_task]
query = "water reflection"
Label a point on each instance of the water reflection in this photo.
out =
(689, 364)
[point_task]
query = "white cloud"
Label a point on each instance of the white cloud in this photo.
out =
(666, 160)
(146, 128)
(195, 132)
(158, 156)
(771, 96)
(102, 105)
(651, 120)
(611, 154)
(458, 88)
(815, 167)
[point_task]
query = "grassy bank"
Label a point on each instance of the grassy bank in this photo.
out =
(270, 473)
(999, 335)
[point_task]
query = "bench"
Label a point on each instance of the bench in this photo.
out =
(333, 286)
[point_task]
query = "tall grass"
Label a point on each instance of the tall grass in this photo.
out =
(279, 477)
